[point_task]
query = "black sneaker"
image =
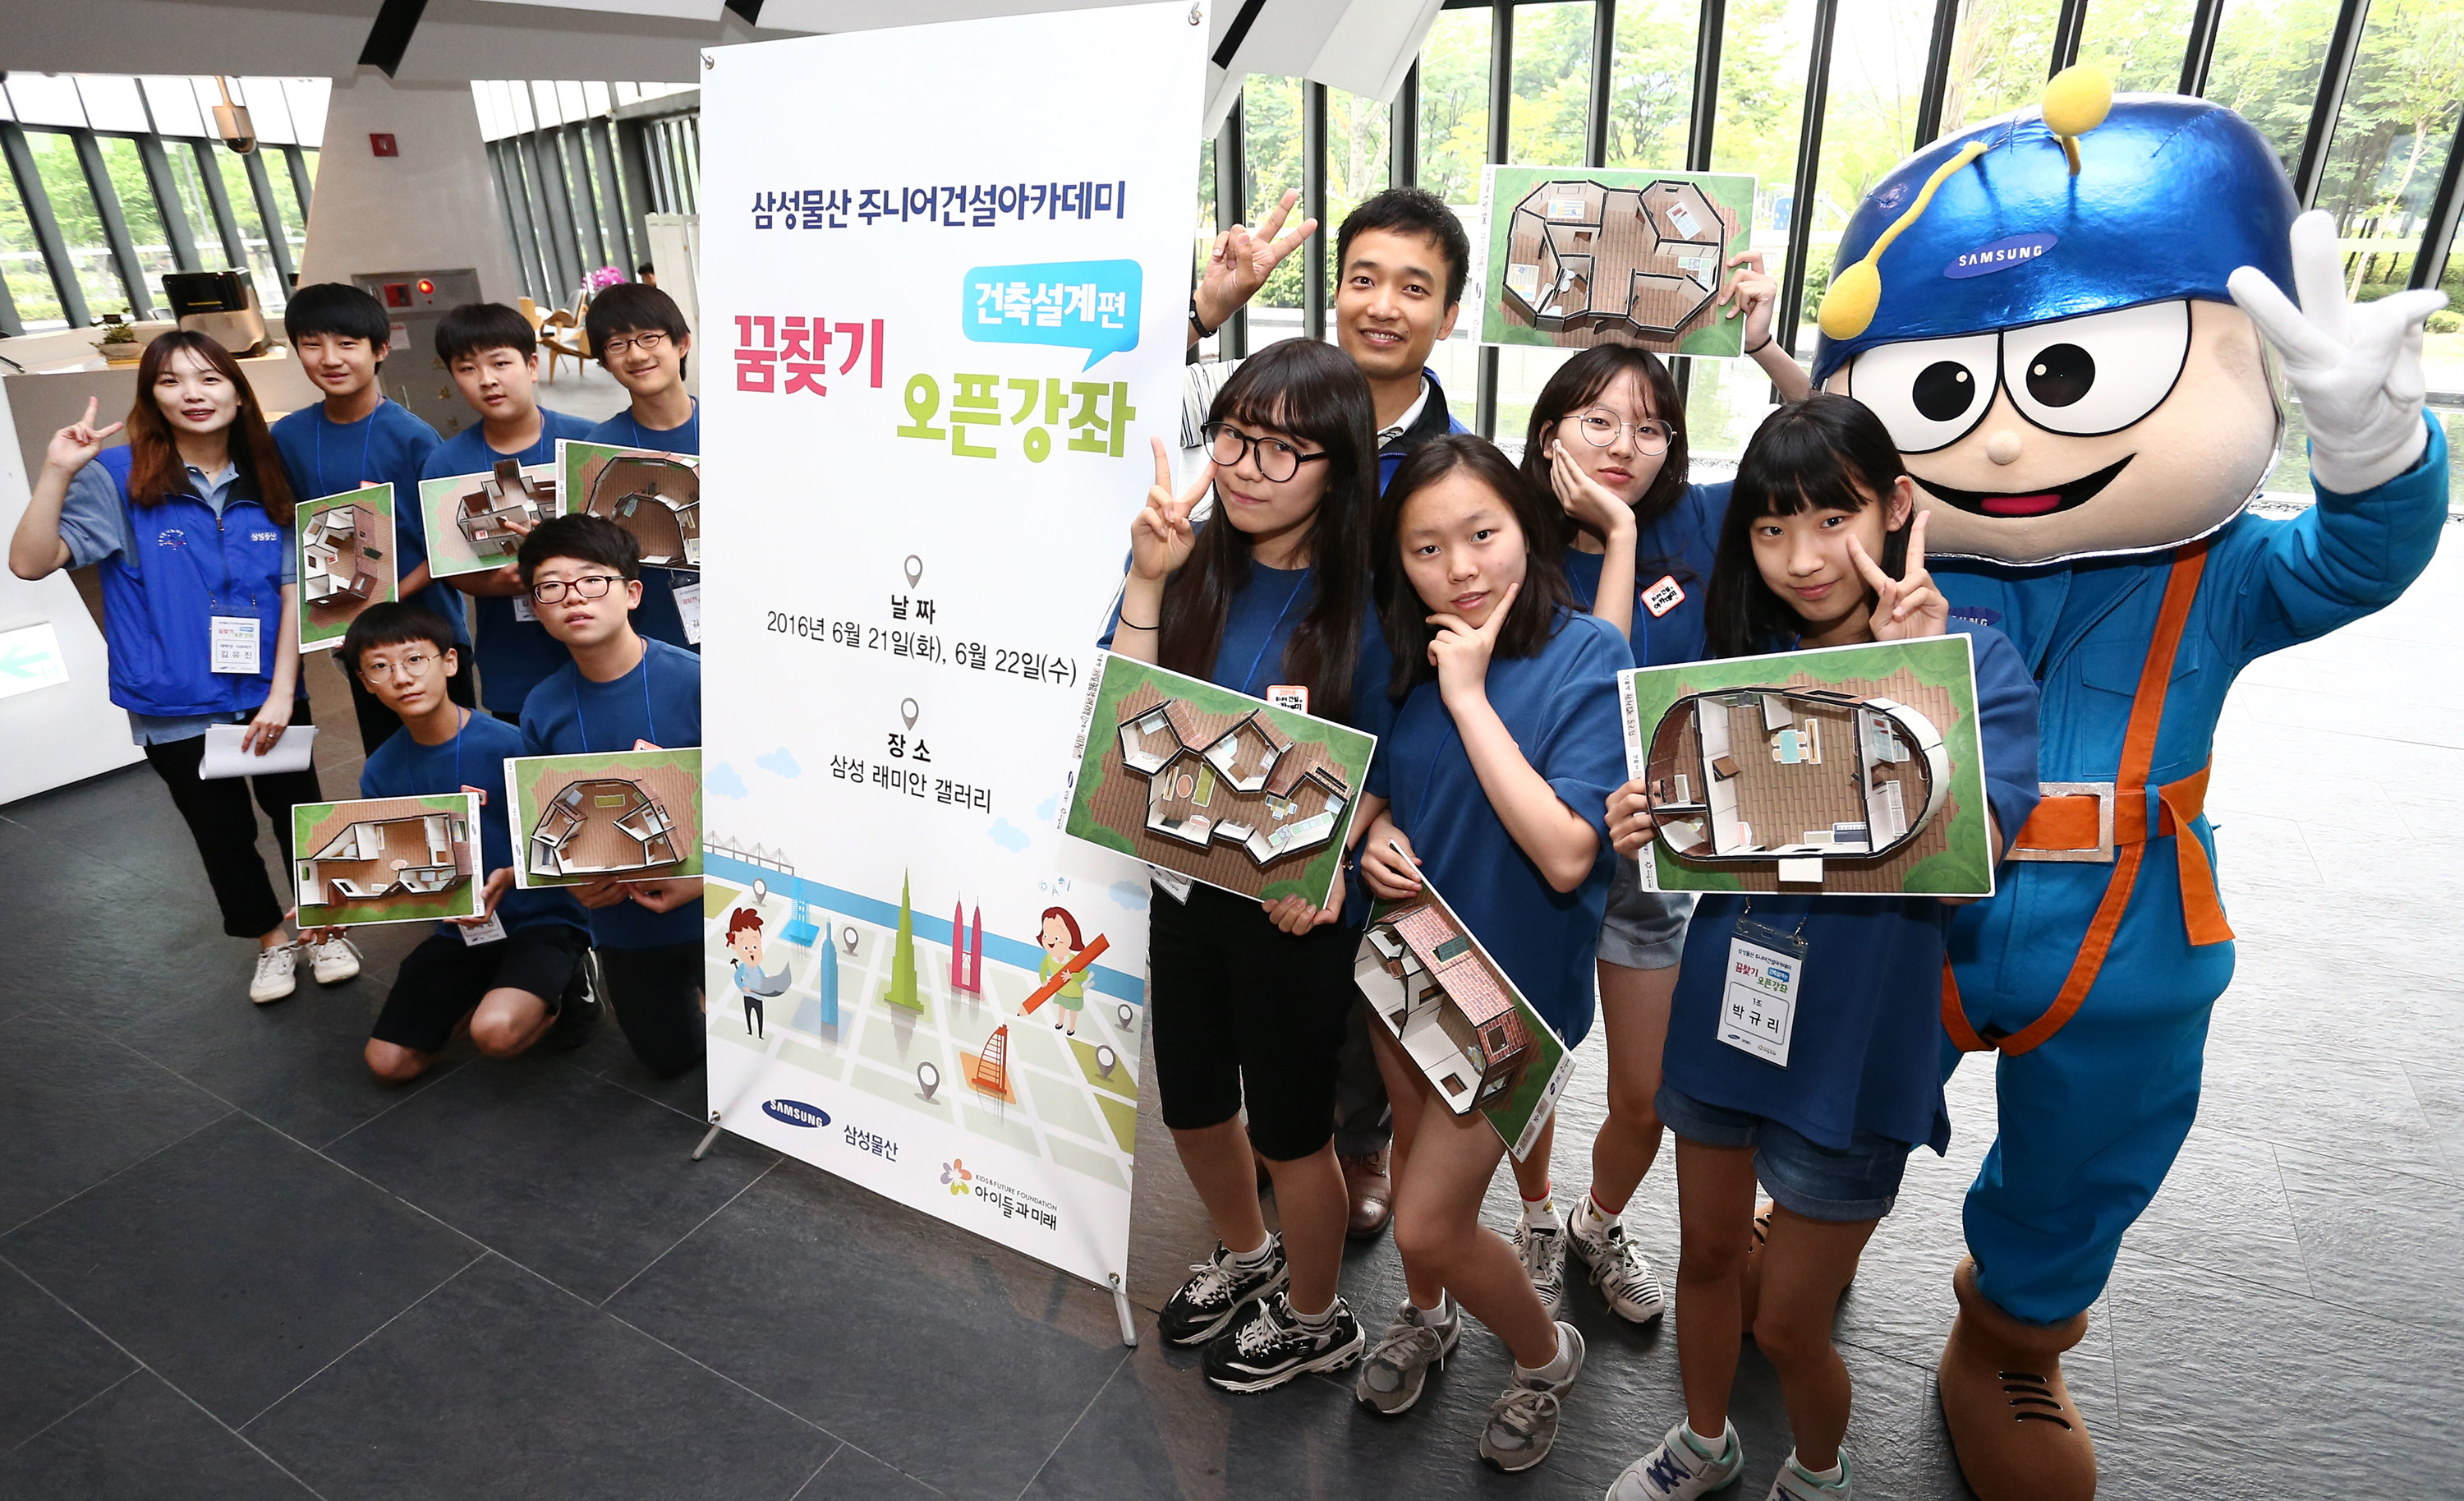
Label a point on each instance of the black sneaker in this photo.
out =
(1208, 1302)
(1267, 1346)
(577, 1012)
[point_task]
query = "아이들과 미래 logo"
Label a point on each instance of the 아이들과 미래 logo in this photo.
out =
(954, 1175)
(796, 1112)
(2015, 250)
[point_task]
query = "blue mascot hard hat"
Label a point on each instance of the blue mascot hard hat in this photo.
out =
(1996, 227)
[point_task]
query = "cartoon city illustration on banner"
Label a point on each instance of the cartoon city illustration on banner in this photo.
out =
(1227, 789)
(346, 562)
(1459, 1019)
(1849, 769)
(371, 860)
(604, 815)
(653, 494)
(475, 521)
(1578, 257)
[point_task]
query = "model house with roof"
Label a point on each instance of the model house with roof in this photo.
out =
(600, 827)
(1445, 1002)
(1585, 258)
(1794, 775)
(1231, 780)
(504, 495)
(341, 554)
(657, 500)
(419, 853)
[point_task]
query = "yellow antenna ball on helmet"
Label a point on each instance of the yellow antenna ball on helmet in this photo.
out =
(1848, 305)
(2076, 103)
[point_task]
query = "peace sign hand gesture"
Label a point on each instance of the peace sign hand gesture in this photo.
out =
(74, 446)
(1243, 258)
(1160, 535)
(1909, 606)
(1460, 651)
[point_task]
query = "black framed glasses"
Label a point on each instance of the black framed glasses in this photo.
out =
(590, 587)
(1277, 459)
(646, 343)
(1601, 427)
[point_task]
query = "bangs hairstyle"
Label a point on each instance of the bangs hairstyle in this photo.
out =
(476, 327)
(1404, 615)
(1410, 210)
(1314, 392)
(155, 469)
(1578, 385)
(1826, 452)
(392, 624)
(591, 539)
(629, 307)
(339, 310)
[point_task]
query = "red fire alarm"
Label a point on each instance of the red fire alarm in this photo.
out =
(382, 145)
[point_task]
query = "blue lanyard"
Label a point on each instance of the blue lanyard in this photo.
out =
(642, 440)
(649, 719)
(366, 438)
(1250, 679)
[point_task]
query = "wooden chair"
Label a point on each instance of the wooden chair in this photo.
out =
(563, 334)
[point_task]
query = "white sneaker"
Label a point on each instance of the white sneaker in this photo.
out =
(1794, 1483)
(1678, 1471)
(334, 960)
(1620, 1273)
(1522, 1424)
(1542, 1249)
(276, 974)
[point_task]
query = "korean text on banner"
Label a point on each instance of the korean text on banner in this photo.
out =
(943, 292)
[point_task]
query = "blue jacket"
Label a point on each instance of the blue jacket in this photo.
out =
(159, 602)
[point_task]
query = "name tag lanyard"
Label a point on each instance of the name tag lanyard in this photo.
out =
(1765, 976)
(582, 720)
(231, 649)
(1792, 942)
(366, 439)
(1249, 678)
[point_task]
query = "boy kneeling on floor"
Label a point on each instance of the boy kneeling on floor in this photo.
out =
(513, 975)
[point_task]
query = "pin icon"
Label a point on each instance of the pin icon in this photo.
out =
(1124, 1014)
(926, 1078)
(911, 711)
(760, 891)
(846, 936)
(1105, 1060)
(914, 570)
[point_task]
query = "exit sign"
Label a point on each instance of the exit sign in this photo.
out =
(30, 658)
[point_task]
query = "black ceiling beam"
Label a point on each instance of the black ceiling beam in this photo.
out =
(391, 36)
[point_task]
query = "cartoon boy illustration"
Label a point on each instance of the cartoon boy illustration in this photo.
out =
(744, 941)
(1060, 944)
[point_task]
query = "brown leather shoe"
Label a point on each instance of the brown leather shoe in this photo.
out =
(1365, 1181)
(2012, 1424)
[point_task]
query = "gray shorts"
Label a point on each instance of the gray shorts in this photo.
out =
(1642, 930)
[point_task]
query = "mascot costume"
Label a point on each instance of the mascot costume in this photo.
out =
(2065, 319)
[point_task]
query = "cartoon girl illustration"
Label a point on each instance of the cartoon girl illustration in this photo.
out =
(1060, 944)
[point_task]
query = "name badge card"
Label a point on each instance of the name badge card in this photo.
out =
(234, 645)
(478, 933)
(688, 610)
(522, 609)
(1663, 596)
(1758, 1004)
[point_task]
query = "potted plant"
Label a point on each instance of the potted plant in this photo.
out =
(119, 344)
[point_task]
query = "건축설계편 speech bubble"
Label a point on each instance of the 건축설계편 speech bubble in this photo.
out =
(1074, 304)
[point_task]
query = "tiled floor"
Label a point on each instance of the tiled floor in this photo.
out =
(232, 1266)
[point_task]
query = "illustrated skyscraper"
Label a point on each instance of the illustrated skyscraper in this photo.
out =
(902, 957)
(966, 951)
(829, 954)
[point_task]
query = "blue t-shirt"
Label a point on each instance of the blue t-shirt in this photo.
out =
(656, 616)
(658, 702)
(1680, 546)
(514, 654)
(1865, 1051)
(475, 757)
(388, 446)
(1561, 707)
(1258, 627)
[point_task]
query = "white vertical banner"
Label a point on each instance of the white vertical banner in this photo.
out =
(945, 278)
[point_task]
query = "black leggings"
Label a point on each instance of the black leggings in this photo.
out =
(219, 819)
(657, 995)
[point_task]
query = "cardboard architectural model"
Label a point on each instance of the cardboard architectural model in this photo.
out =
(1586, 257)
(654, 496)
(624, 815)
(1813, 770)
(387, 859)
(1213, 785)
(346, 562)
(1458, 1018)
(470, 517)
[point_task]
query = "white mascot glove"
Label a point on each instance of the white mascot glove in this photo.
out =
(2356, 368)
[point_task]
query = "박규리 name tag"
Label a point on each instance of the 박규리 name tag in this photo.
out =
(474, 934)
(688, 610)
(522, 609)
(234, 645)
(1758, 1002)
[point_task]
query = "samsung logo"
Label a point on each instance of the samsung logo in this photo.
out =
(265, 537)
(796, 1112)
(2000, 255)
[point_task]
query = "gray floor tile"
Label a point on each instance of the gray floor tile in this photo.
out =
(75, 1107)
(501, 1385)
(2378, 1240)
(141, 1440)
(2223, 1207)
(817, 1295)
(582, 1181)
(237, 1263)
(852, 1475)
(49, 1360)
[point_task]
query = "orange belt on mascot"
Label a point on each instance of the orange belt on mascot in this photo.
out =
(2074, 823)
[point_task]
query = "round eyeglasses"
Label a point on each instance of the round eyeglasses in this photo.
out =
(1601, 427)
(1277, 459)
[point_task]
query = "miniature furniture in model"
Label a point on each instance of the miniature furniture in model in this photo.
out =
(503, 496)
(1230, 780)
(1446, 1004)
(656, 499)
(603, 826)
(1582, 257)
(339, 557)
(420, 854)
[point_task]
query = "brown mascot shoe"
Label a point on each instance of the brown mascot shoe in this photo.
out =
(2017, 1433)
(1371, 1190)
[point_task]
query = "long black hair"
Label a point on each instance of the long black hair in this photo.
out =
(1826, 452)
(1575, 386)
(1403, 616)
(1314, 392)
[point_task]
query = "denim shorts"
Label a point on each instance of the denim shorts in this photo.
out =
(1801, 1175)
(1642, 930)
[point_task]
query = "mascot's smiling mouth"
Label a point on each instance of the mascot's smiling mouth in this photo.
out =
(2033, 503)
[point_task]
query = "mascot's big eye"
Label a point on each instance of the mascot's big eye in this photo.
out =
(2099, 373)
(1928, 392)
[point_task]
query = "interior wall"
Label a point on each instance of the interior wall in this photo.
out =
(434, 207)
